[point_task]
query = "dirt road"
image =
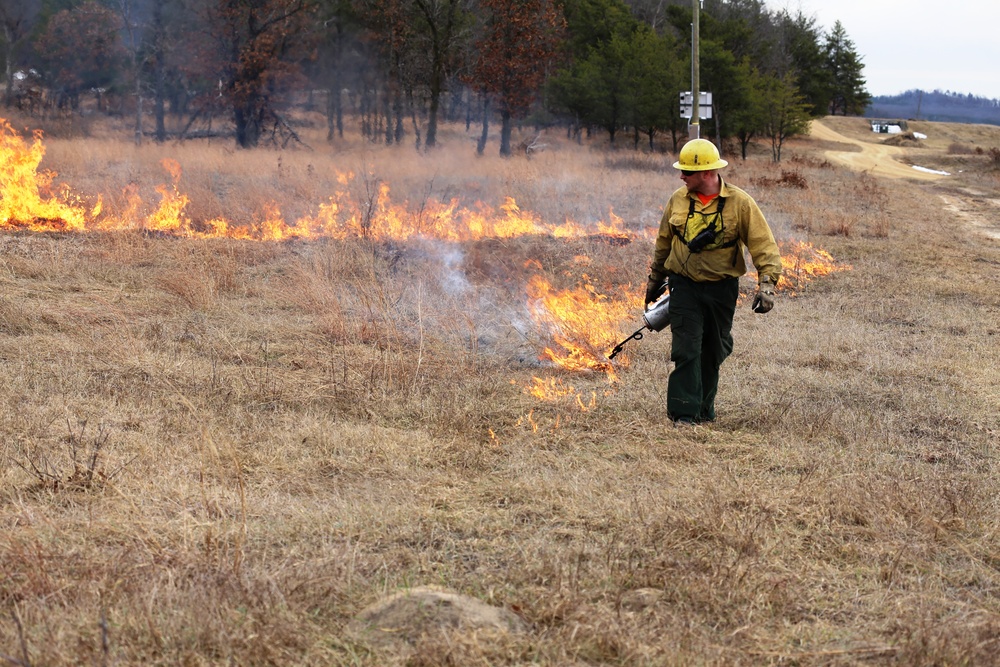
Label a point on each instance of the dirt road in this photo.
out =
(876, 158)
(976, 207)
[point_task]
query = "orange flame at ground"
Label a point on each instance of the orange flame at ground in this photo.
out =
(372, 214)
(581, 324)
(802, 262)
(169, 216)
(554, 389)
(578, 326)
(24, 191)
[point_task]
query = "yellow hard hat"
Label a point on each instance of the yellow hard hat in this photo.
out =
(699, 155)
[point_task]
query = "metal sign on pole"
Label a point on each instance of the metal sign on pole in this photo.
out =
(704, 106)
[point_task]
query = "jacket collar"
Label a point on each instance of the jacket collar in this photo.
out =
(723, 188)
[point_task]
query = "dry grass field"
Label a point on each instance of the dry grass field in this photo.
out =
(220, 450)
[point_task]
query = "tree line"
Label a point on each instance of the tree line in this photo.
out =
(399, 68)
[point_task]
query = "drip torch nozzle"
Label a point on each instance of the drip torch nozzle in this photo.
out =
(621, 346)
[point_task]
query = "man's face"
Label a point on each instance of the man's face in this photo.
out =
(693, 179)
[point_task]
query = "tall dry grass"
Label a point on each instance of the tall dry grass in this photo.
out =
(218, 452)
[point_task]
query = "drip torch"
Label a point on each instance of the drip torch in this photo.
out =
(655, 319)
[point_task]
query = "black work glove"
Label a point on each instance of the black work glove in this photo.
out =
(654, 289)
(763, 301)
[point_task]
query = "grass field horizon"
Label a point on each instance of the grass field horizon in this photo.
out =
(220, 448)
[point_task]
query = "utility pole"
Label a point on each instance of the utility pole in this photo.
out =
(694, 125)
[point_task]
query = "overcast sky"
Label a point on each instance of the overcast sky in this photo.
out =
(926, 44)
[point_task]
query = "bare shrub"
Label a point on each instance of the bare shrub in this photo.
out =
(808, 160)
(80, 466)
(956, 148)
(791, 179)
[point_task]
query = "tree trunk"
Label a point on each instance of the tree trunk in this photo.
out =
(387, 106)
(363, 105)
(159, 74)
(138, 117)
(338, 103)
(248, 127)
(468, 113)
(718, 125)
(505, 128)
(330, 113)
(8, 69)
(744, 138)
(334, 111)
(413, 117)
(397, 105)
(432, 114)
(159, 112)
(481, 144)
(440, 27)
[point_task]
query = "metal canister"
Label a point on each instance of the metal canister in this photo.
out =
(658, 316)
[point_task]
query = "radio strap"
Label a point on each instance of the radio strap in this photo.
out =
(718, 211)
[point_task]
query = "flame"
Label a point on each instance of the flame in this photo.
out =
(530, 420)
(342, 215)
(581, 324)
(169, 216)
(24, 200)
(615, 228)
(802, 262)
(552, 389)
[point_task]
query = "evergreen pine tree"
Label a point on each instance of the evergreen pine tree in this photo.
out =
(848, 93)
(801, 44)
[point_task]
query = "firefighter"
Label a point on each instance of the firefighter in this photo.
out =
(699, 257)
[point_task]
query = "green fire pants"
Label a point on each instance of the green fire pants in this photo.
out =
(701, 323)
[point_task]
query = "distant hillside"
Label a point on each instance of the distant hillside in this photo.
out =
(936, 106)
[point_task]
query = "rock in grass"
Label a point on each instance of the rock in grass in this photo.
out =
(405, 618)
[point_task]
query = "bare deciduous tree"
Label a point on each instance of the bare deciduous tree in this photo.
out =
(518, 43)
(255, 39)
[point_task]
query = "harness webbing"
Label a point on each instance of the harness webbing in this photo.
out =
(718, 212)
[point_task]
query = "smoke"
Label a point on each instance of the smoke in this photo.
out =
(449, 259)
(462, 311)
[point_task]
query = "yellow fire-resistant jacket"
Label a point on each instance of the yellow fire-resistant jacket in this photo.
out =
(741, 225)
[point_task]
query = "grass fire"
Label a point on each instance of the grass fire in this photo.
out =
(250, 393)
(581, 323)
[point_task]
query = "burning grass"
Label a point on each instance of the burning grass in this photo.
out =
(274, 434)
